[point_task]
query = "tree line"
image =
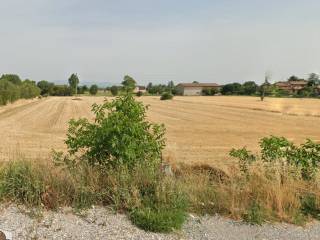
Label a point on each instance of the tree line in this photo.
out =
(13, 88)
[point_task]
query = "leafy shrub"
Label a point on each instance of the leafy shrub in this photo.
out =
(119, 135)
(279, 149)
(245, 158)
(166, 96)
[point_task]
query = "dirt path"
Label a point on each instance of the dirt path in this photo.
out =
(199, 129)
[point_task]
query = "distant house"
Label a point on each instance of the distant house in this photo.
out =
(292, 86)
(140, 89)
(195, 89)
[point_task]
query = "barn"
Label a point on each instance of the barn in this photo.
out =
(195, 89)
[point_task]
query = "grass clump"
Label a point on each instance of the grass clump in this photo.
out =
(255, 214)
(23, 182)
(310, 206)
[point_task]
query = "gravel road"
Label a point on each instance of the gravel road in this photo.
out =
(100, 223)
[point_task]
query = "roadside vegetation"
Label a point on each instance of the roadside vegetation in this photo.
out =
(116, 160)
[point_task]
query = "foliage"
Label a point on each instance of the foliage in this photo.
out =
(310, 205)
(93, 89)
(61, 90)
(166, 96)
(245, 158)
(119, 135)
(278, 149)
(231, 89)
(209, 91)
(249, 88)
(29, 89)
(159, 219)
(9, 92)
(114, 90)
(13, 78)
(45, 87)
(254, 214)
(161, 88)
(128, 83)
(163, 208)
(82, 89)
(12, 89)
(22, 182)
(73, 82)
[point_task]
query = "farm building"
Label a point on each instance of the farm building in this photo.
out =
(139, 89)
(195, 89)
(292, 86)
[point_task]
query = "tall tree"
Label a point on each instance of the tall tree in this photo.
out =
(264, 86)
(313, 79)
(249, 88)
(128, 83)
(93, 89)
(73, 82)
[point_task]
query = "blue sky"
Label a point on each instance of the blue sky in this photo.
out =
(158, 41)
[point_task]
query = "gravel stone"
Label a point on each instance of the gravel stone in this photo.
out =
(100, 223)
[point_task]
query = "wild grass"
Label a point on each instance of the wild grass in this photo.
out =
(157, 202)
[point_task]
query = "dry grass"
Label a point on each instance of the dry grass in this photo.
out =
(199, 129)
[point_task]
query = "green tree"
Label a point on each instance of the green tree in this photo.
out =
(93, 89)
(128, 83)
(313, 79)
(13, 78)
(45, 87)
(249, 88)
(114, 90)
(29, 89)
(231, 89)
(73, 82)
(293, 78)
(9, 92)
(264, 88)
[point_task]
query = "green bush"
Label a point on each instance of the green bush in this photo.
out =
(166, 96)
(158, 220)
(278, 149)
(119, 135)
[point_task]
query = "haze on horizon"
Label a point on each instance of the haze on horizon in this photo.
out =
(160, 40)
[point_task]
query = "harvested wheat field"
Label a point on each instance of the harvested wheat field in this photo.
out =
(199, 129)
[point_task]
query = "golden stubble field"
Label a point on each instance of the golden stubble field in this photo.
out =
(199, 129)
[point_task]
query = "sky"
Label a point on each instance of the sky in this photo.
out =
(160, 40)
